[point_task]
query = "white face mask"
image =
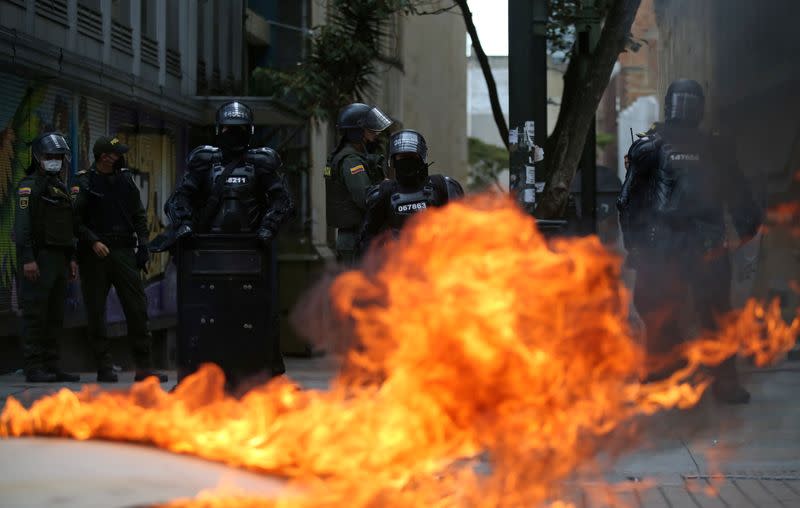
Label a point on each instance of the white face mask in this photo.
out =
(52, 166)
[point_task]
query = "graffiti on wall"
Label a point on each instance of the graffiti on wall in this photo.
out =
(36, 108)
(151, 159)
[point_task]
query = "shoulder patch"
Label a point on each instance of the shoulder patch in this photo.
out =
(75, 189)
(357, 169)
(24, 191)
(328, 171)
(82, 172)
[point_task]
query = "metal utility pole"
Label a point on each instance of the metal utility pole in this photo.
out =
(588, 32)
(527, 89)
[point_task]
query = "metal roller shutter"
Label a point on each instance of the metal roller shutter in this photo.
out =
(92, 123)
(16, 127)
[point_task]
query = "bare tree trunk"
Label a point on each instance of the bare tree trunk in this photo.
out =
(579, 104)
(497, 111)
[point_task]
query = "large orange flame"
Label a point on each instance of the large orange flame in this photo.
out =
(476, 342)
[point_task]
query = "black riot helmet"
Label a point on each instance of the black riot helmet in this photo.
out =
(237, 115)
(356, 117)
(684, 103)
(408, 155)
(48, 144)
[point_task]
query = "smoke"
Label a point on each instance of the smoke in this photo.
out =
(744, 56)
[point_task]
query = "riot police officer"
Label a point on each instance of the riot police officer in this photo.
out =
(392, 202)
(679, 181)
(111, 224)
(234, 189)
(44, 235)
(352, 168)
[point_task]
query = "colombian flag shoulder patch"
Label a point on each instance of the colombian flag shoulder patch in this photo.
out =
(24, 191)
(357, 169)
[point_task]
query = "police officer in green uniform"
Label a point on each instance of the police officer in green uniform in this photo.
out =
(44, 235)
(352, 168)
(111, 224)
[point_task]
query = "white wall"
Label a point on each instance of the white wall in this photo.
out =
(434, 88)
(639, 116)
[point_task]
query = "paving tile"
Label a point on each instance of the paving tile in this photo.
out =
(652, 497)
(677, 497)
(793, 486)
(779, 490)
(731, 496)
(625, 499)
(755, 491)
(702, 495)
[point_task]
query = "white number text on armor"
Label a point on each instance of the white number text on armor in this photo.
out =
(412, 207)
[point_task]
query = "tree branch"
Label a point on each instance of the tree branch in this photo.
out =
(497, 111)
(416, 12)
(579, 103)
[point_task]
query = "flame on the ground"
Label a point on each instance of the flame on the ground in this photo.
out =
(784, 215)
(478, 341)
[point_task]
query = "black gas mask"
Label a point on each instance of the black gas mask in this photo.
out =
(234, 139)
(410, 171)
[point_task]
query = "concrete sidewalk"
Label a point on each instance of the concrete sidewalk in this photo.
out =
(714, 455)
(750, 454)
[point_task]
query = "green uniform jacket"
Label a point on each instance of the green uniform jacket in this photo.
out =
(348, 175)
(38, 225)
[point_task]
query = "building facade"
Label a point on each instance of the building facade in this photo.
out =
(150, 71)
(422, 85)
(153, 72)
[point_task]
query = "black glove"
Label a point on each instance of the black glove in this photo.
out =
(142, 257)
(264, 237)
(184, 230)
(376, 168)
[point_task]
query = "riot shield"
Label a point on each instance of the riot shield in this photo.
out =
(227, 307)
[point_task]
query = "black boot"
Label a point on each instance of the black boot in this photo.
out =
(39, 376)
(106, 376)
(62, 376)
(142, 374)
(726, 387)
(730, 392)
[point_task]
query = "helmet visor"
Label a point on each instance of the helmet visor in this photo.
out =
(376, 120)
(52, 144)
(685, 107)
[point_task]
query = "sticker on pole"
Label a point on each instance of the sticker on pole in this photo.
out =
(539, 187)
(512, 137)
(538, 154)
(530, 196)
(530, 175)
(530, 129)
